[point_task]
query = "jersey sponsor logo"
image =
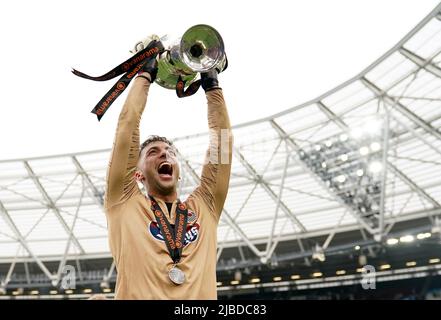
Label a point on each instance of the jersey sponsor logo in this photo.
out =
(191, 217)
(191, 234)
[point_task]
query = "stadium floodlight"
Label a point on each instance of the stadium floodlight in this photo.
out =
(263, 260)
(407, 239)
(392, 241)
(343, 137)
(422, 236)
(375, 167)
(375, 146)
(349, 170)
(364, 150)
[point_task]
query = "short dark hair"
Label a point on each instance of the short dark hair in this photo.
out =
(154, 138)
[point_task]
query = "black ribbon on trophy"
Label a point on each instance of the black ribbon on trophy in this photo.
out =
(200, 49)
(130, 67)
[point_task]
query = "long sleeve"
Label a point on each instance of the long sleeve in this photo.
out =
(120, 183)
(216, 171)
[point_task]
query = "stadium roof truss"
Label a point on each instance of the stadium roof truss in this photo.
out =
(362, 156)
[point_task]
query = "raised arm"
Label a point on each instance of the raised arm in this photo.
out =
(120, 184)
(215, 176)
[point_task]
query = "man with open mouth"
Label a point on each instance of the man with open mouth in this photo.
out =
(165, 247)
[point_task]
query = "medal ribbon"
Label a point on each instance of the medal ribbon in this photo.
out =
(173, 240)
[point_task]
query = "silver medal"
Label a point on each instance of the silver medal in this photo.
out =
(176, 275)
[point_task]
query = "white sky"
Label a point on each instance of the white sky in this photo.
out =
(45, 109)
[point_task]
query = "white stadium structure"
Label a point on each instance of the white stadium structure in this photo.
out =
(318, 191)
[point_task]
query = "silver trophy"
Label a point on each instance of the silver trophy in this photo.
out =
(200, 49)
